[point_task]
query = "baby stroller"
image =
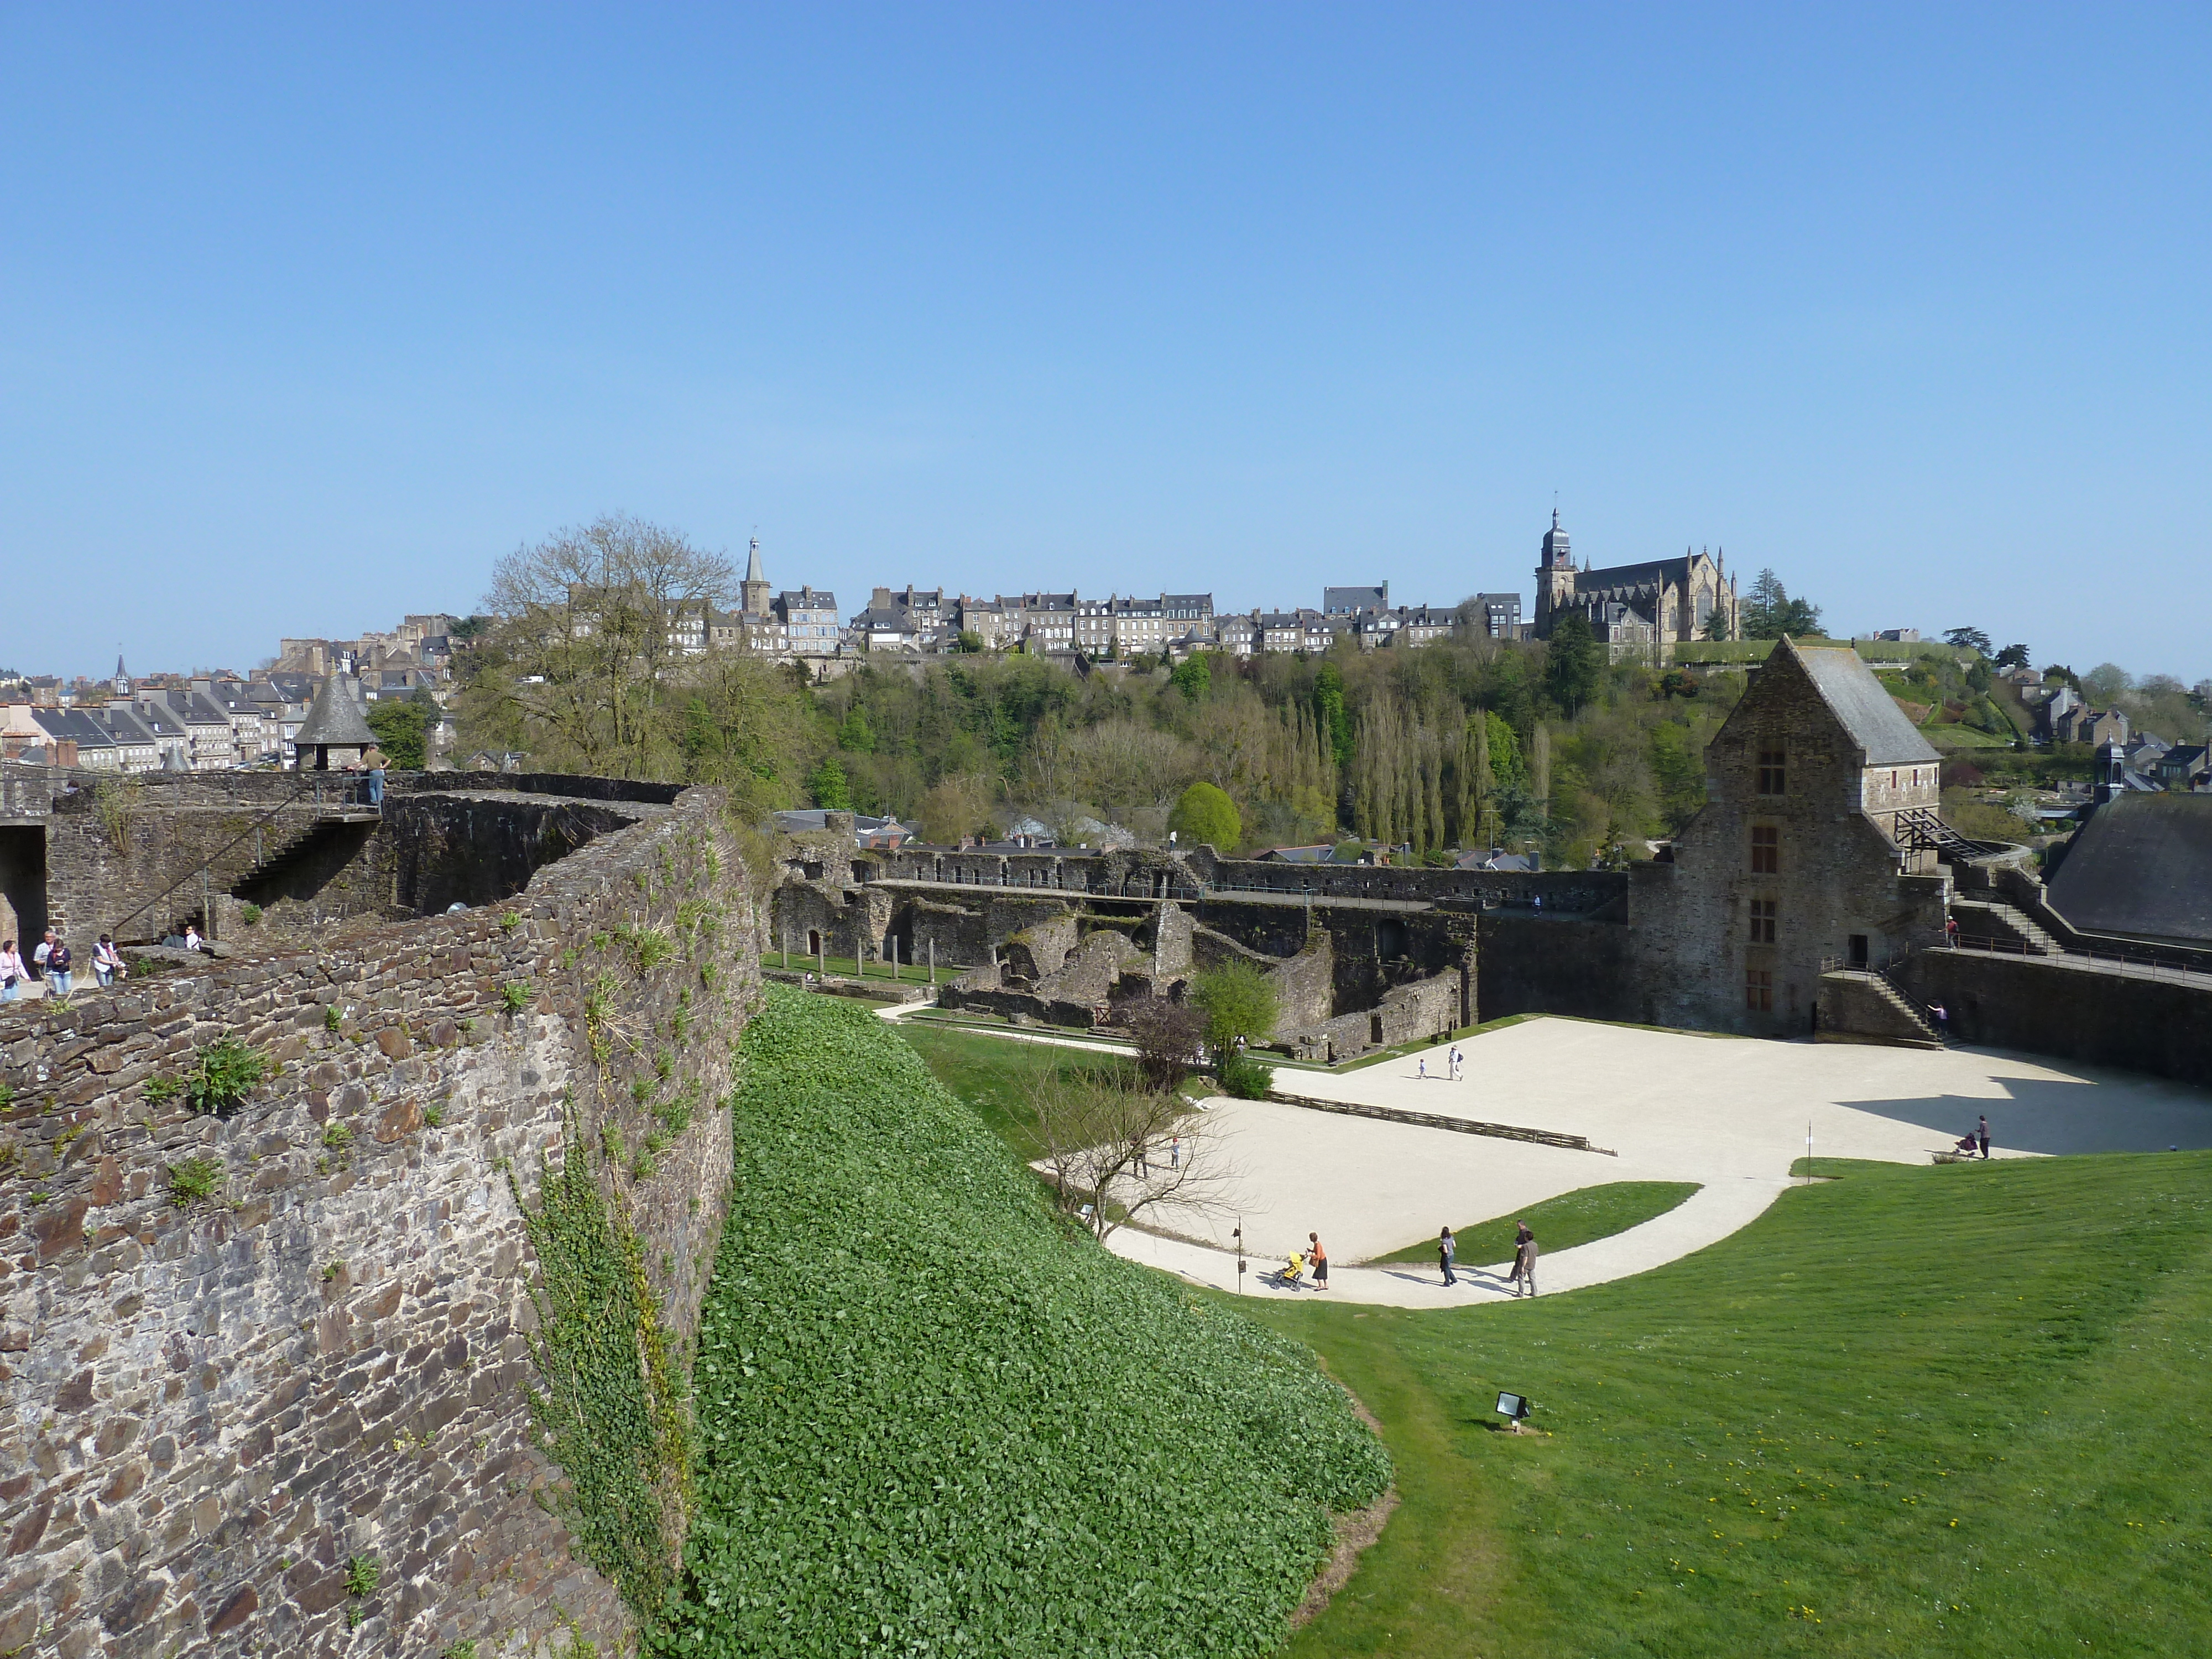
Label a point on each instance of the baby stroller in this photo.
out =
(1294, 1270)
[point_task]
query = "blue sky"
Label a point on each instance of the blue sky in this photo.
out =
(311, 313)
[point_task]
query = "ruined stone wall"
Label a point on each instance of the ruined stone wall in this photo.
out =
(1547, 964)
(216, 1403)
(1425, 1008)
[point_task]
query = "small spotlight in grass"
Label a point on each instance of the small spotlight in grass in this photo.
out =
(1512, 1408)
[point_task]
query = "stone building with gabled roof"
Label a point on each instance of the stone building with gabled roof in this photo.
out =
(1817, 849)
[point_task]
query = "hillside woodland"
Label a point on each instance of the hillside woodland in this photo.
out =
(1469, 743)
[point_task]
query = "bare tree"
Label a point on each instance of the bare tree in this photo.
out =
(1168, 1035)
(588, 627)
(1116, 1151)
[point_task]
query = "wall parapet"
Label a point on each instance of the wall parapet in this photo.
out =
(243, 1352)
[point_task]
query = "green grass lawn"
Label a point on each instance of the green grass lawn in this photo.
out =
(1561, 1223)
(991, 1074)
(1911, 1411)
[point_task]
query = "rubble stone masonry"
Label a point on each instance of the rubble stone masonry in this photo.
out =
(210, 1406)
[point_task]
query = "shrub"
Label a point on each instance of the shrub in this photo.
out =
(195, 1179)
(331, 1019)
(515, 995)
(249, 913)
(1033, 1447)
(337, 1137)
(163, 1090)
(1245, 1077)
(363, 1574)
(225, 1072)
(509, 922)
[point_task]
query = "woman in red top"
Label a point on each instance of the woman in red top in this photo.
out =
(1318, 1257)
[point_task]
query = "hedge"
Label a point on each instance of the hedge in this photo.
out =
(931, 1420)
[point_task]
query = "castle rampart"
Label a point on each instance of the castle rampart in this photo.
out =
(243, 1352)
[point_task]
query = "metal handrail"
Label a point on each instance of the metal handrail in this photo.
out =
(292, 799)
(2154, 967)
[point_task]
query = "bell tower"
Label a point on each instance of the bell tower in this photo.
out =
(1555, 577)
(754, 589)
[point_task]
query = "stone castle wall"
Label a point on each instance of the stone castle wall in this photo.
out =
(213, 1406)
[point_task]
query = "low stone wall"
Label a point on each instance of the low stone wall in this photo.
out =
(242, 1352)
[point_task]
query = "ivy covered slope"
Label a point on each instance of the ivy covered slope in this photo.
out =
(931, 1420)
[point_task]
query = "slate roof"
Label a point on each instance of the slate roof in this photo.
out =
(1867, 712)
(2141, 866)
(336, 719)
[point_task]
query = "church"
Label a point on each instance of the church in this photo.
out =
(1635, 610)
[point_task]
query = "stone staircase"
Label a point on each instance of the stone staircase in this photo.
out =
(1863, 1005)
(1993, 924)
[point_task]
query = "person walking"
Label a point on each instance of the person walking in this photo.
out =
(1982, 1135)
(1446, 1250)
(1424, 1072)
(373, 760)
(1319, 1258)
(1175, 1152)
(1943, 1018)
(13, 973)
(54, 957)
(1951, 931)
(106, 960)
(1524, 1260)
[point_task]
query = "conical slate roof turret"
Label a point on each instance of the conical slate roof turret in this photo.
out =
(334, 721)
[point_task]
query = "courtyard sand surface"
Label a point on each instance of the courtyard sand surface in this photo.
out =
(1731, 1113)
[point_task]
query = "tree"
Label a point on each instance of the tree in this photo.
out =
(1970, 639)
(2104, 683)
(1206, 815)
(956, 806)
(2012, 656)
(1193, 677)
(1769, 613)
(1237, 1000)
(1329, 712)
(400, 728)
(1106, 1138)
(828, 785)
(589, 632)
(855, 736)
(1717, 624)
(1167, 1035)
(1574, 662)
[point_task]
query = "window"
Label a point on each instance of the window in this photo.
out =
(1758, 990)
(1773, 772)
(1762, 921)
(1765, 850)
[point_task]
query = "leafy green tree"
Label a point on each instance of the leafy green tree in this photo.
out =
(1717, 624)
(1330, 712)
(1193, 677)
(399, 728)
(1237, 1000)
(1769, 613)
(1969, 639)
(854, 735)
(1205, 814)
(1507, 769)
(829, 786)
(1574, 663)
(2012, 656)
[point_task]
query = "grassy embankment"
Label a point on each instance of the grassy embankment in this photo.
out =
(1580, 1217)
(1908, 1412)
(1763, 1448)
(932, 1417)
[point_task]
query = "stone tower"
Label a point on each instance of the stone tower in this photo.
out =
(754, 590)
(1555, 577)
